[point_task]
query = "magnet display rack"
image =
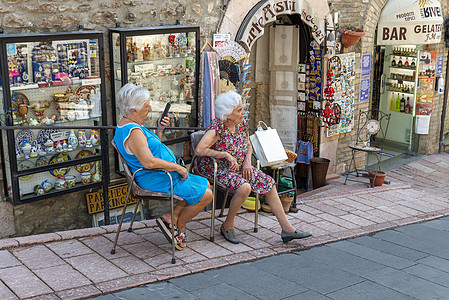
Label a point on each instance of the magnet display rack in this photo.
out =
(164, 60)
(52, 88)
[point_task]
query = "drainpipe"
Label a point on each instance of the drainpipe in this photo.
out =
(443, 113)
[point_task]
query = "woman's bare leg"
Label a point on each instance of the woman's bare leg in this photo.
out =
(190, 211)
(277, 209)
(236, 202)
(176, 212)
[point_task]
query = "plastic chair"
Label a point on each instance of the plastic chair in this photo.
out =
(195, 138)
(143, 194)
(371, 132)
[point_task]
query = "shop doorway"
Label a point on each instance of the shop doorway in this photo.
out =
(285, 106)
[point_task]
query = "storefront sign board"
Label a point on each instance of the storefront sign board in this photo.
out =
(405, 22)
(117, 197)
(271, 9)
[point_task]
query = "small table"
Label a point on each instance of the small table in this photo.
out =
(276, 170)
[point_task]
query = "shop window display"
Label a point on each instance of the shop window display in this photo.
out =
(54, 83)
(163, 60)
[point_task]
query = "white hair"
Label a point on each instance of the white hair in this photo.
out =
(225, 104)
(131, 96)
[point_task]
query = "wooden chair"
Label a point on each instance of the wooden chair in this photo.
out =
(195, 139)
(143, 194)
(370, 136)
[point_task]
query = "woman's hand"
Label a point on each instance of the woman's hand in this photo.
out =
(247, 170)
(162, 124)
(183, 172)
(233, 165)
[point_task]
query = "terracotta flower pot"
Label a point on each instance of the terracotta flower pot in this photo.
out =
(380, 177)
(351, 37)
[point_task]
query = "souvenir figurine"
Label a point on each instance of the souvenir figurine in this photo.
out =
(33, 122)
(49, 146)
(95, 99)
(82, 140)
(26, 148)
(95, 137)
(59, 148)
(82, 111)
(64, 146)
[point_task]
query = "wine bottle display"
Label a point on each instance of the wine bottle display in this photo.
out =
(398, 104)
(402, 105)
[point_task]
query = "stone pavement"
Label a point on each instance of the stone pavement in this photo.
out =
(77, 264)
(409, 262)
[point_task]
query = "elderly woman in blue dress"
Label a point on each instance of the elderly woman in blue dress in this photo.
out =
(227, 140)
(140, 147)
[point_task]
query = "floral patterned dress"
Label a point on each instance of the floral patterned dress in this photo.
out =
(237, 145)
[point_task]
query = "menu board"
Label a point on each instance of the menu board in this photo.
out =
(426, 82)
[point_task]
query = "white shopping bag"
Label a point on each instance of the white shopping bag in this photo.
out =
(268, 146)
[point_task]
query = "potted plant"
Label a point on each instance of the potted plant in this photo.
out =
(351, 35)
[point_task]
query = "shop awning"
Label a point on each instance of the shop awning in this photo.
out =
(404, 22)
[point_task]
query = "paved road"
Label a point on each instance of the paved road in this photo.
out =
(409, 262)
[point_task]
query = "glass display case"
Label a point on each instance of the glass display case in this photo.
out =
(164, 60)
(52, 91)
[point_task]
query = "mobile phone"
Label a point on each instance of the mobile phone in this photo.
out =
(165, 112)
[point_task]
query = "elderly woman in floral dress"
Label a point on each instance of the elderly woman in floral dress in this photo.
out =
(227, 140)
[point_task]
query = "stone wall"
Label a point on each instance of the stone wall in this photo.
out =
(29, 16)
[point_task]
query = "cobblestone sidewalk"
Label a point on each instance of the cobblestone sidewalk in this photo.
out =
(76, 264)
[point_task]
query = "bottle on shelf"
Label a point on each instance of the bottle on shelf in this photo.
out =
(408, 108)
(400, 62)
(393, 62)
(413, 64)
(402, 105)
(398, 104)
(393, 103)
(406, 63)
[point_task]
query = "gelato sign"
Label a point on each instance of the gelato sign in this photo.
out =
(405, 22)
(268, 12)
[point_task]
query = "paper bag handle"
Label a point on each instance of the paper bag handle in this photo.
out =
(260, 126)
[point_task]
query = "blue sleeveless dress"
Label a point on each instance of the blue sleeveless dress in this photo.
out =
(191, 190)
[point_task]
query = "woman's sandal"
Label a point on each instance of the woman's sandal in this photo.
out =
(166, 230)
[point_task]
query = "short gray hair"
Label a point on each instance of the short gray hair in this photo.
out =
(225, 104)
(131, 96)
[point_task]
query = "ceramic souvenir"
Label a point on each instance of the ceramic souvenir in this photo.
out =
(33, 151)
(89, 143)
(71, 116)
(71, 180)
(96, 176)
(82, 110)
(64, 146)
(82, 140)
(26, 148)
(85, 177)
(40, 151)
(73, 141)
(61, 183)
(58, 147)
(47, 185)
(95, 100)
(39, 190)
(19, 155)
(33, 122)
(49, 146)
(95, 137)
